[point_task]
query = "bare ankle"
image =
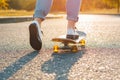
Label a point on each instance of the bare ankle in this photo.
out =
(71, 24)
(39, 20)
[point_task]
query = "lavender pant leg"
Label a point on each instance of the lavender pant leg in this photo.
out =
(73, 8)
(42, 8)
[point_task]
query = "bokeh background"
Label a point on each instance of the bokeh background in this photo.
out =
(26, 7)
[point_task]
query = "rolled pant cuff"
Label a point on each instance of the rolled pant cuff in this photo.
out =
(73, 19)
(39, 14)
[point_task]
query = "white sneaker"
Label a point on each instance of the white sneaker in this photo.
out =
(35, 35)
(72, 34)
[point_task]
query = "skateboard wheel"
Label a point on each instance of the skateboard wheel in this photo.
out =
(56, 48)
(74, 49)
(82, 42)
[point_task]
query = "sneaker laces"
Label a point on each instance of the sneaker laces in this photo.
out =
(42, 33)
(76, 30)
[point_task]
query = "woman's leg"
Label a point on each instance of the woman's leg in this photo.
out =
(42, 8)
(73, 8)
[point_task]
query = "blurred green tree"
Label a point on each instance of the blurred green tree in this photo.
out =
(100, 4)
(22, 4)
(118, 6)
(3, 4)
(112, 4)
(60, 5)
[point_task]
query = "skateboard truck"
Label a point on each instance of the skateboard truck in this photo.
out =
(74, 49)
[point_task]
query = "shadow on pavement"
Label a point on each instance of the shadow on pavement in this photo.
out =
(13, 68)
(60, 64)
(81, 33)
(117, 15)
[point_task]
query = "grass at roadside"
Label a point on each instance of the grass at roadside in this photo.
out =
(30, 13)
(16, 13)
(101, 11)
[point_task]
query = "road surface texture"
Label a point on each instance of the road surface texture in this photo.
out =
(100, 60)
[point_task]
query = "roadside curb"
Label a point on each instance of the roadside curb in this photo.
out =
(15, 19)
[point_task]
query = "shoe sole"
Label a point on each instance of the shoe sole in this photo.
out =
(34, 41)
(74, 37)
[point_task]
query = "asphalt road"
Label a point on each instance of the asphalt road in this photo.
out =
(18, 61)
